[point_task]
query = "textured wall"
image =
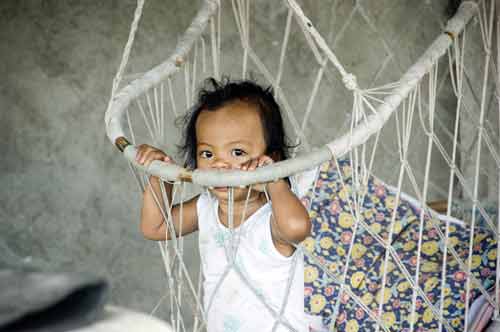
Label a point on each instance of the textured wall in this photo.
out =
(67, 201)
(64, 202)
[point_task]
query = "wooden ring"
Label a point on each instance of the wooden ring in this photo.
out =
(450, 34)
(121, 143)
(186, 176)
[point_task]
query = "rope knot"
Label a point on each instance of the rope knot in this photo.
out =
(350, 82)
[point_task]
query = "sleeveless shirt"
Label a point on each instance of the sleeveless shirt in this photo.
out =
(247, 283)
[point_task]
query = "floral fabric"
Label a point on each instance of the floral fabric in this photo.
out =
(334, 228)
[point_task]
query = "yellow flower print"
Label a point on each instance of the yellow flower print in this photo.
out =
(326, 242)
(452, 229)
(427, 316)
(430, 267)
(375, 227)
(455, 322)
(347, 170)
(310, 274)
(332, 267)
(397, 227)
(390, 202)
(409, 245)
(430, 247)
(476, 261)
(346, 220)
(358, 250)
(387, 295)
(447, 302)
(367, 298)
(375, 200)
(340, 251)
(447, 291)
(479, 237)
(318, 302)
(431, 222)
(413, 318)
(308, 244)
(389, 319)
(369, 214)
(430, 284)
(357, 279)
(352, 326)
(460, 305)
(492, 255)
(389, 268)
(452, 241)
(344, 194)
(403, 286)
(324, 227)
(313, 214)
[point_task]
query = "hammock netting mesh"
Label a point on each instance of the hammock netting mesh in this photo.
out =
(397, 162)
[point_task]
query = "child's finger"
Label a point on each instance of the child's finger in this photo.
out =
(265, 160)
(245, 165)
(253, 164)
(140, 151)
(152, 155)
(140, 155)
(144, 149)
(145, 157)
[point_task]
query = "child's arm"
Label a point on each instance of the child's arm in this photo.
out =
(291, 220)
(289, 213)
(153, 225)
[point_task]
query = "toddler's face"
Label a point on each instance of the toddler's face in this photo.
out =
(228, 137)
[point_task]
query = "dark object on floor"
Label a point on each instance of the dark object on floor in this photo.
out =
(43, 302)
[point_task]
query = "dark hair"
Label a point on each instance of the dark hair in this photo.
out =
(216, 94)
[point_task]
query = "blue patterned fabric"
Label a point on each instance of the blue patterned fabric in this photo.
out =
(332, 233)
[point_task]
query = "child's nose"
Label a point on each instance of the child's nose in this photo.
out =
(220, 163)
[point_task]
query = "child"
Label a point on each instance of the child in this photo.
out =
(237, 125)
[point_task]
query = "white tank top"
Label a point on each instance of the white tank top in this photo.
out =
(230, 305)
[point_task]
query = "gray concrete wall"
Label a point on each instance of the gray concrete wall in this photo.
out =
(67, 201)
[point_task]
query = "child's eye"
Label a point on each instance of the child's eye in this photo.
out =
(206, 154)
(238, 152)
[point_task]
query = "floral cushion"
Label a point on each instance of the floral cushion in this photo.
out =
(327, 250)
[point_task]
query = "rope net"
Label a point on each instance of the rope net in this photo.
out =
(403, 194)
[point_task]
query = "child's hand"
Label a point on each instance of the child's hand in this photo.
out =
(146, 154)
(255, 163)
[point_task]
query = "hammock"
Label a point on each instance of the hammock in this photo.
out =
(430, 159)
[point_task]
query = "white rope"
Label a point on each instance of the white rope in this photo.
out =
(126, 51)
(316, 157)
(403, 143)
(459, 58)
(172, 99)
(177, 249)
(432, 99)
(497, 279)
(487, 43)
(369, 113)
(284, 44)
(348, 79)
